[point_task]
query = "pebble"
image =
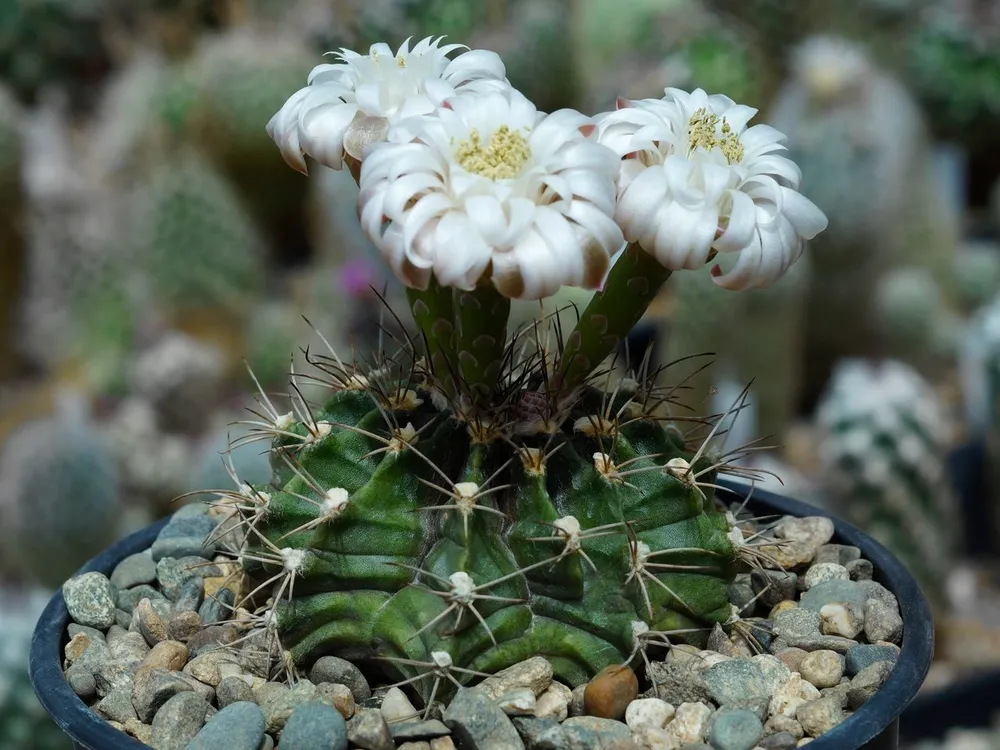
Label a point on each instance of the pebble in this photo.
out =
(151, 624)
(315, 726)
(518, 702)
(151, 688)
(368, 730)
(782, 606)
(128, 598)
(576, 700)
(183, 537)
(792, 694)
(813, 531)
(238, 726)
(212, 667)
(90, 600)
(792, 657)
(173, 573)
(690, 723)
(341, 672)
(190, 595)
(860, 570)
(863, 655)
(841, 554)
(554, 702)
(117, 705)
(824, 572)
(741, 593)
(178, 722)
(781, 724)
(737, 682)
(182, 625)
(216, 607)
(779, 741)
(134, 570)
(397, 707)
(534, 673)
(882, 622)
(81, 682)
(279, 705)
(875, 590)
(835, 590)
(734, 729)
(168, 655)
(586, 732)
(819, 716)
(477, 722)
(822, 668)
(233, 690)
(842, 618)
(419, 730)
(648, 712)
(339, 697)
(679, 683)
(773, 586)
(609, 693)
(866, 682)
(212, 637)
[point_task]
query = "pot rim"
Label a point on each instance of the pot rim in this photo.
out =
(878, 714)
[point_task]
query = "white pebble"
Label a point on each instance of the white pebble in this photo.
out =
(397, 707)
(689, 724)
(518, 702)
(554, 702)
(825, 572)
(822, 668)
(792, 694)
(841, 618)
(648, 712)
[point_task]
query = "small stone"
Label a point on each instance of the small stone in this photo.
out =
(414, 746)
(882, 622)
(179, 720)
(866, 682)
(368, 730)
(779, 741)
(586, 732)
(825, 572)
(233, 690)
(126, 646)
(142, 732)
(875, 590)
(74, 628)
(134, 570)
(341, 672)
(825, 642)
(690, 724)
(151, 688)
(90, 600)
(781, 724)
(81, 682)
(114, 674)
(742, 595)
(862, 655)
(534, 673)
(735, 729)
(127, 599)
(736, 682)
(218, 606)
(212, 667)
(711, 658)
(442, 743)
(822, 668)
(679, 683)
(782, 606)
(315, 726)
(814, 531)
(237, 726)
(838, 691)
(518, 702)
(421, 730)
(835, 590)
(819, 716)
(773, 670)
(837, 553)
(151, 625)
(182, 625)
(684, 653)
(212, 637)
(554, 702)
(117, 705)
(792, 657)
(797, 623)
(648, 712)
(278, 705)
(773, 586)
(610, 691)
(535, 732)
(76, 647)
(338, 696)
(841, 618)
(792, 694)
(576, 704)
(168, 655)
(190, 596)
(477, 722)
(397, 707)
(721, 643)
(860, 570)
(183, 537)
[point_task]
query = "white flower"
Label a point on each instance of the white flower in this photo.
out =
(493, 186)
(348, 105)
(696, 181)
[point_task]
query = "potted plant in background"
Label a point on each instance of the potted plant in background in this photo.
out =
(520, 507)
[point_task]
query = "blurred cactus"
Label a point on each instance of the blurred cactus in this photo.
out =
(11, 228)
(60, 491)
(977, 275)
(884, 440)
(24, 723)
(225, 447)
(866, 162)
(983, 395)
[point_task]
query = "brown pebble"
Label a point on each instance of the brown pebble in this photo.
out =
(168, 655)
(76, 646)
(338, 696)
(792, 657)
(182, 625)
(151, 625)
(213, 584)
(442, 743)
(782, 606)
(212, 637)
(609, 693)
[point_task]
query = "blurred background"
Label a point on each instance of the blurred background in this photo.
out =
(152, 240)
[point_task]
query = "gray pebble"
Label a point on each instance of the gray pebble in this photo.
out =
(122, 618)
(217, 608)
(341, 672)
(233, 690)
(875, 590)
(863, 655)
(823, 642)
(179, 721)
(679, 683)
(866, 682)
(591, 733)
(183, 537)
(128, 598)
(779, 741)
(741, 594)
(111, 675)
(819, 716)
(841, 554)
(81, 682)
(278, 705)
(860, 570)
(736, 682)
(477, 722)
(151, 688)
(90, 599)
(190, 595)
(882, 622)
(776, 585)
(238, 726)
(832, 591)
(134, 570)
(734, 729)
(368, 730)
(315, 726)
(92, 633)
(419, 730)
(824, 572)
(796, 623)
(532, 730)
(173, 572)
(117, 705)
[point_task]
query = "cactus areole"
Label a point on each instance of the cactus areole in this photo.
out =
(480, 496)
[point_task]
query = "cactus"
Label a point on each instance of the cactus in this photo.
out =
(24, 723)
(61, 493)
(884, 440)
(977, 275)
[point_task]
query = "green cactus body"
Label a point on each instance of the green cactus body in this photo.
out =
(436, 537)
(977, 274)
(885, 437)
(196, 244)
(61, 493)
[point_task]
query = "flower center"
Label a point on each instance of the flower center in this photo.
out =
(707, 130)
(501, 159)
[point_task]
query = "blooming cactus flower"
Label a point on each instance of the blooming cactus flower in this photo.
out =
(491, 184)
(695, 180)
(350, 104)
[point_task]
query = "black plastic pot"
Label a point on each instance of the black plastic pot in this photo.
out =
(874, 727)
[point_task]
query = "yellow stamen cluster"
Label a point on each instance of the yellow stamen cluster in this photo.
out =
(707, 131)
(501, 159)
